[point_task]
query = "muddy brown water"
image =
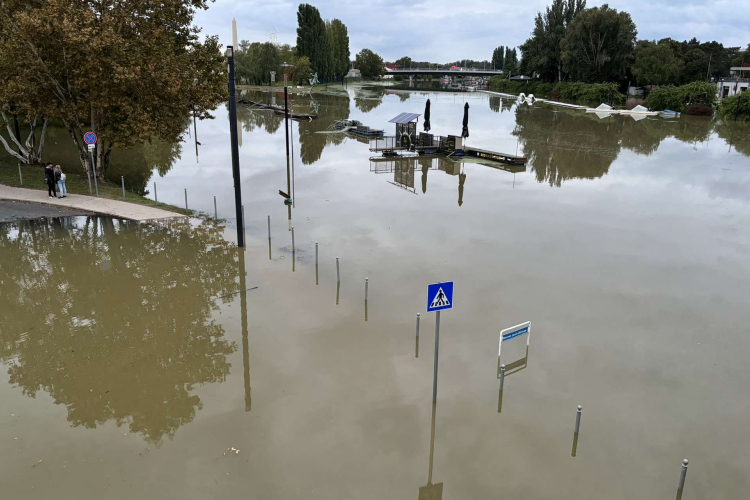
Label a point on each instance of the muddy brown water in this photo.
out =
(131, 365)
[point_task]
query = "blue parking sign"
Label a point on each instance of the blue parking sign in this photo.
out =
(440, 296)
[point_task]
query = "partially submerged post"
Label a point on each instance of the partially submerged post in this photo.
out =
(235, 149)
(439, 297)
(681, 484)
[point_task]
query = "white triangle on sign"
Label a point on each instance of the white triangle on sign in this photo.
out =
(440, 299)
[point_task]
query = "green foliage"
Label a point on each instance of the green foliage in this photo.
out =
(542, 53)
(598, 45)
(677, 98)
(302, 71)
(742, 57)
(736, 107)
(498, 58)
(510, 64)
(369, 63)
(572, 91)
(311, 35)
(655, 64)
(114, 67)
(255, 61)
(325, 44)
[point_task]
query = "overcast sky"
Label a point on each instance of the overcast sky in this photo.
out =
(448, 30)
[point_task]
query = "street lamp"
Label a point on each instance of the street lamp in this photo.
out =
(235, 149)
(285, 65)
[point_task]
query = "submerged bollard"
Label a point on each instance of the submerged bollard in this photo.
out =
(417, 325)
(293, 239)
(155, 198)
(416, 340)
(316, 263)
(367, 284)
(20, 175)
(502, 377)
(681, 486)
(578, 418)
(269, 228)
(186, 205)
(122, 177)
(216, 212)
(338, 274)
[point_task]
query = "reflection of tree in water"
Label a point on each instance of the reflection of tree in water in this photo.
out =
(137, 163)
(112, 318)
(367, 100)
(330, 108)
(735, 134)
(264, 119)
(495, 103)
(561, 146)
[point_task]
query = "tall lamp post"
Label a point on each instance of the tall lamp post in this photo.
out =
(235, 149)
(285, 65)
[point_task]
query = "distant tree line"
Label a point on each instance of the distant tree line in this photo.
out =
(570, 42)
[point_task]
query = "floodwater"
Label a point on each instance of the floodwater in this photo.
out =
(141, 361)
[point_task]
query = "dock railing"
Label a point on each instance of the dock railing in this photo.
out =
(385, 144)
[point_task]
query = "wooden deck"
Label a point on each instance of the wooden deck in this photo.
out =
(494, 155)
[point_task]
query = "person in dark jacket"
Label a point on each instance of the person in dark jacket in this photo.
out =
(49, 178)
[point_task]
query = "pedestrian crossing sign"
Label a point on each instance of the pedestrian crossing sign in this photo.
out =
(440, 296)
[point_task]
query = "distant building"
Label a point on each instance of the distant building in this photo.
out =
(354, 73)
(737, 81)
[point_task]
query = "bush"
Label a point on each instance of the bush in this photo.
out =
(699, 110)
(574, 91)
(677, 98)
(736, 107)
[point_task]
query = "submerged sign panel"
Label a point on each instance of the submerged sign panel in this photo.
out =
(440, 296)
(512, 333)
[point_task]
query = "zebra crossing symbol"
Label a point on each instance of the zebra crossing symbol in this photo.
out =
(440, 296)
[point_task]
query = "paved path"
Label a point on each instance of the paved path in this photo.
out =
(89, 204)
(17, 210)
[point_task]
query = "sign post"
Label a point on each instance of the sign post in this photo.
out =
(511, 333)
(90, 139)
(439, 297)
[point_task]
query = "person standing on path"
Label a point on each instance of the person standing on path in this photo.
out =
(49, 178)
(60, 178)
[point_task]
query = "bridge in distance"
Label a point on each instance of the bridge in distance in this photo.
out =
(443, 72)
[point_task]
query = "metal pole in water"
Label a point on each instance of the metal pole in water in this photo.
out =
(437, 350)
(416, 341)
(269, 228)
(156, 199)
(216, 212)
(292, 238)
(122, 178)
(243, 223)
(367, 284)
(417, 325)
(502, 377)
(186, 205)
(683, 474)
(96, 184)
(20, 175)
(578, 418)
(338, 274)
(316, 262)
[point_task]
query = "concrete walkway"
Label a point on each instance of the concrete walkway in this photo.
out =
(121, 209)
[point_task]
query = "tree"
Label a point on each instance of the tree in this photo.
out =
(498, 58)
(654, 64)
(510, 60)
(542, 53)
(301, 72)
(742, 57)
(598, 44)
(339, 37)
(110, 66)
(311, 36)
(404, 62)
(694, 66)
(369, 63)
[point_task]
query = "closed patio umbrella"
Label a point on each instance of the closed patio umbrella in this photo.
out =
(465, 131)
(427, 116)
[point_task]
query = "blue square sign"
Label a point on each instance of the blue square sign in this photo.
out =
(439, 296)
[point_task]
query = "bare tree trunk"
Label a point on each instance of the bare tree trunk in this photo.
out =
(76, 134)
(18, 130)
